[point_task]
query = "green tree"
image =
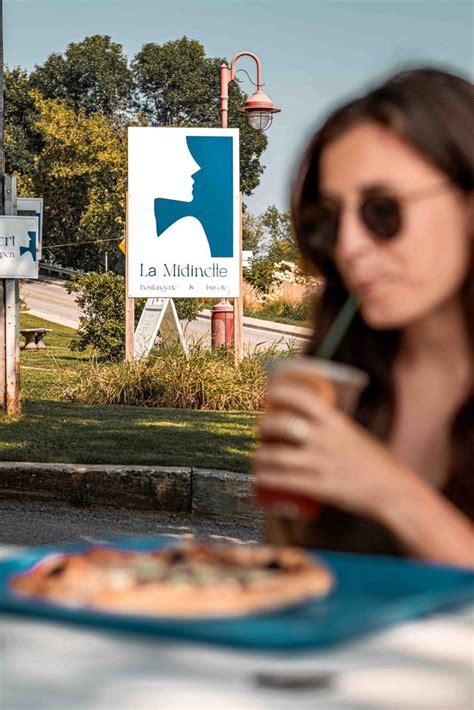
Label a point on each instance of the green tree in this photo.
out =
(271, 239)
(279, 235)
(101, 298)
(92, 76)
(176, 84)
(22, 138)
(81, 173)
(253, 234)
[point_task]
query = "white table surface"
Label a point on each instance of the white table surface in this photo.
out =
(426, 663)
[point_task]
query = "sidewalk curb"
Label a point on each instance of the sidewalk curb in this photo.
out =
(206, 492)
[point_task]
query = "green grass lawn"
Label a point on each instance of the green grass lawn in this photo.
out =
(271, 316)
(53, 431)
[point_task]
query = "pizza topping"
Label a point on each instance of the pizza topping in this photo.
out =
(273, 564)
(150, 570)
(55, 571)
(120, 578)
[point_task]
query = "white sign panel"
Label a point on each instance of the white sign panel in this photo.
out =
(18, 256)
(183, 212)
(32, 207)
(158, 316)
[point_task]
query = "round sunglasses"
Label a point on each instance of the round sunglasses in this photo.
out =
(380, 213)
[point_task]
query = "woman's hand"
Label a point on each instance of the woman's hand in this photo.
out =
(311, 448)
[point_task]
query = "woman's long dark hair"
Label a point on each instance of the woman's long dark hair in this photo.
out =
(433, 111)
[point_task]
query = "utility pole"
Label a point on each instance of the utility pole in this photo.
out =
(3, 371)
(2, 149)
(10, 287)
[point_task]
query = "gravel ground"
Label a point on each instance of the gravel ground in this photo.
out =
(40, 524)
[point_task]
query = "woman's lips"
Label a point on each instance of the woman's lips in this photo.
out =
(368, 287)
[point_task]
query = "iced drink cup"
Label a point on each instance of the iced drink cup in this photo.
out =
(339, 384)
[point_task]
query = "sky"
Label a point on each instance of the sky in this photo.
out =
(315, 53)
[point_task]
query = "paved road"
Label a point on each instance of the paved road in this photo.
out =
(49, 300)
(40, 524)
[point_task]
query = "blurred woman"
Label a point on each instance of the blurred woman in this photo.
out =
(383, 207)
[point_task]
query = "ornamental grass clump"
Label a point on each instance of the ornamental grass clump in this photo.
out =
(206, 379)
(290, 294)
(252, 298)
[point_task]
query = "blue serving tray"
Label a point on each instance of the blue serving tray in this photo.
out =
(371, 592)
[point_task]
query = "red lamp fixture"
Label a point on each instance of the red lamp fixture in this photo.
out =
(258, 108)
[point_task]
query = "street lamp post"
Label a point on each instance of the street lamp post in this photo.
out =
(259, 110)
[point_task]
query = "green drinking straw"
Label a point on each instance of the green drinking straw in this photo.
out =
(339, 328)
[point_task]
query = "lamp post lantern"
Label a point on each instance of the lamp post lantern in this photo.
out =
(259, 110)
(258, 107)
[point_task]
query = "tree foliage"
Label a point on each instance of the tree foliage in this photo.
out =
(81, 173)
(92, 76)
(22, 138)
(271, 239)
(101, 298)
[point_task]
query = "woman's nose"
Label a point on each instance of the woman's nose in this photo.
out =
(195, 167)
(353, 238)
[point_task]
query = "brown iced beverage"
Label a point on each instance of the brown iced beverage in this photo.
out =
(288, 514)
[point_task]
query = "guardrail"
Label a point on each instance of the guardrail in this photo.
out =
(59, 272)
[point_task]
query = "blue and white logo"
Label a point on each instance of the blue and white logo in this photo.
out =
(184, 212)
(18, 247)
(211, 203)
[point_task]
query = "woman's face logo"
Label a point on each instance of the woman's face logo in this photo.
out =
(180, 181)
(169, 167)
(211, 201)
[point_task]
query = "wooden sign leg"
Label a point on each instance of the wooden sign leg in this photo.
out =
(239, 305)
(129, 302)
(3, 358)
(10, 323)
(12, 346)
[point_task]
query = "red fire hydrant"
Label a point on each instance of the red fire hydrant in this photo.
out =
(222, 324)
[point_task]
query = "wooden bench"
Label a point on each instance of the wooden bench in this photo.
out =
(34, 338)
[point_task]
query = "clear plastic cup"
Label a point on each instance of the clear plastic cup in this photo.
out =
(346, 385)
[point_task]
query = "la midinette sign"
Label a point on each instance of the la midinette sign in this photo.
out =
(183, 212)
(18, 247)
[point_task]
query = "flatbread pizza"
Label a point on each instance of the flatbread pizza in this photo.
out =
(192, 580)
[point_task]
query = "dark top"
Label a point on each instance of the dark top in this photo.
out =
(344, 532)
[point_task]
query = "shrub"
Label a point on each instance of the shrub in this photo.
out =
(291, 299)
(287, 272)
(188, 309)
(260, 273)
(206, 379)
(287, 294)
(101, 297)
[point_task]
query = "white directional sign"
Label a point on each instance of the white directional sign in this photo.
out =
(159, 317)
(18, 243)
(183, 212)
(32, 207)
